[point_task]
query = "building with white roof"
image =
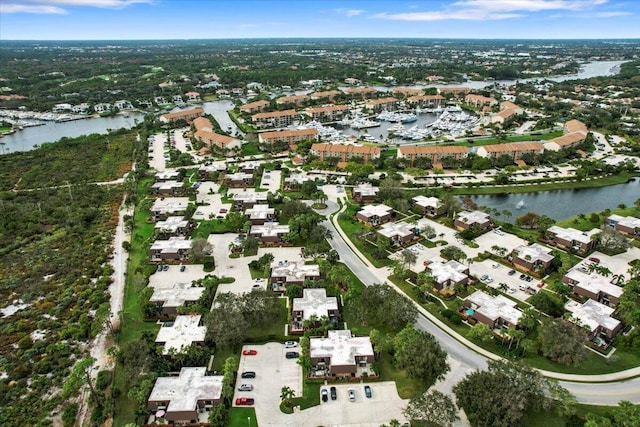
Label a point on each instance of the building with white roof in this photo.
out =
(341, 355)
(572, 239)
(596, 318)
(295, 181)
(593, 285)
(471, 220)
(269, 232)
(285, 273)
(314, 304)
(185, 397)
(375, 214)
(259, 214)
(181, 333)
(239, 180)
(173, 226)
(428, 206)
(167, 175)
(628, 225)
(248, 199)
(167, 187)
(168, 206)
(177, 295)
(448, 274)
(173, 249)
(534, 258)
(365, 193)
(205, 170)
(398, 233)
(496, 312)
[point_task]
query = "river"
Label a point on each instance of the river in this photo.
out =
(562, 204)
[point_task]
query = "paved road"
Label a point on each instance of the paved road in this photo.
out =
(606, 389)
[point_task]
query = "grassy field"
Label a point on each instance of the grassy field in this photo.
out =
(251, 149)
(351, 226)
(584, 224)
(242, 417)
(213, 226)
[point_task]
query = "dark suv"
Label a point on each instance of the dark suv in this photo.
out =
(248, 374)
(292, 355)
(334, 395)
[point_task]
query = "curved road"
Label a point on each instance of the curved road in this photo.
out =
(606, 389)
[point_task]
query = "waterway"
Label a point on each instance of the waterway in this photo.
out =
(562, 204)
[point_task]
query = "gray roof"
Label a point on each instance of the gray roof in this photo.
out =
(341, 347)
(184, 391)
(315, 302)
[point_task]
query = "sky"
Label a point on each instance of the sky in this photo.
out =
(220, 19)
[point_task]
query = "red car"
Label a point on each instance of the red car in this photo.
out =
(245, 401)
(249, 352)
(594, 259)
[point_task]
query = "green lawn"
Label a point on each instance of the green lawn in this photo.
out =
(271, 330)
(242, 417)
(584, 224)
(251, 149)
(351, 226)
(212, 226)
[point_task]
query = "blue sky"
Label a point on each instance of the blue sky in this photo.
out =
(218, 19)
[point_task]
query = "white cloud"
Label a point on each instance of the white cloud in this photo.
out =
(349, 12)
(60, 7)
(609, 14)
(476, 10)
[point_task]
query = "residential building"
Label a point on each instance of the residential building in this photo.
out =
(249, 166)
(375, 215)
(472, 220)
(515, 150)
(430, 206)
(259, 214)
(508, 105)
(192, 96)
(297, 100)
(434, 153)
(179, 334)
(216, 140)
(446, 275)
(295, 181)
(102, 108)
(186, 115)
(290, 137)
(478, 101)
(328, 95)
(341, 355)
(270, 232)
(249, 199)
(426, 101)
(575, 126)
(399, 233)
(360, 92)
(273, 119)
(239, 180)
(123, 104)
(496, 312)
(572, 239)
(168, 206)
(345, 152)
(177, 295)
(533, 258)
(503, 117)
(173, 226)
(327, 113)
(456, 92)
(168, 175)
(205, 170)
(627, 225)
(164, 188)
(378, 105)
(314, 304)
(188, 397)
(365, 193)
(407, 92)
(255, 107)
(284, 273)
(593, 285)
(173, 249)
(565, 141)
(595, 318)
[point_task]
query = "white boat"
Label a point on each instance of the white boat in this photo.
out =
(520, 204)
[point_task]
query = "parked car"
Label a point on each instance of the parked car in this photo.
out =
(248, 374)
(352, 394)
(292, 355)
(245, 401)
(249, 352)
(512, 272)
(325, 394)
(290, 344)
(367, 391)
(334, 394)
(594, 259)
(245, 387)
(523, 277)
(182, 268)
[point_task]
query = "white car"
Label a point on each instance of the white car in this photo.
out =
(352, 395)
(290, 344)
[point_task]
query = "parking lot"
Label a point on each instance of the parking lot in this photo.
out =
(167, 278)
(271, 180)
(208, 193)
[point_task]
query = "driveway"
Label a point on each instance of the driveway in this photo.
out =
(208, 193)
(271, 180)
(156, 150)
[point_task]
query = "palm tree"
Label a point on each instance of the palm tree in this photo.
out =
(503, 287)
(286, 394)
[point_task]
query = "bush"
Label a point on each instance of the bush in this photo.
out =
(455, 319)
(69, 415)
(104, 380)
(447, 313)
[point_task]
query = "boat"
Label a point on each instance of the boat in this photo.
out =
(409, 118)
(520, 204)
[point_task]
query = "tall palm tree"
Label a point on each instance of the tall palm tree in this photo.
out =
(286, 394)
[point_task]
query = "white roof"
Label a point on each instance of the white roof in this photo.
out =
(184, 391)
(366, 189)
(167, 174)
(534, 252)
(593, 314)
(167, 185)
(172, 223)
(170, 204)
(495, 307)
(627, 221)
(298, 177)
(473, 217)
(239, 176)
(177, 294)
(400, 229)
(269, 229)
(451, 270)
(375, 210)
(260, 212)
(593, 282)
(341, 347)
(214, 166)
(250, 196)
(184, 332)
(571, 234)
(294, 270)
(427, 201)
(172, 244)
(315, 302)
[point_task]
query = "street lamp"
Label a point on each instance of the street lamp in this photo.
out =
(249, 421)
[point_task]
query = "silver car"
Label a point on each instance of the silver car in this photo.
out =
(245, 387)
